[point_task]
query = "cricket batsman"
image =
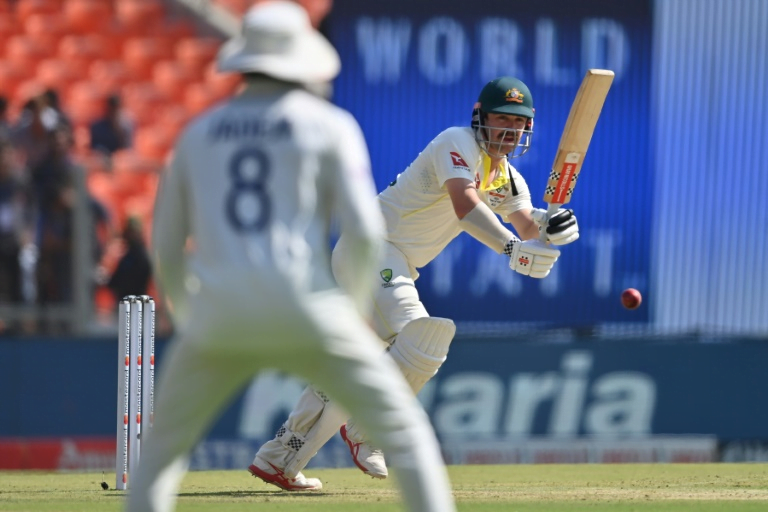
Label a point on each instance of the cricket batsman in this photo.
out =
(462, 181)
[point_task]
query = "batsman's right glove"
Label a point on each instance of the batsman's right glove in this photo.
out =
(561, 227)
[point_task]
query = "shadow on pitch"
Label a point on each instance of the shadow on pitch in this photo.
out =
(276, 494)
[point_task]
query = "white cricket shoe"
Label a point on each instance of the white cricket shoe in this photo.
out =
(370, 460)
(275, 476)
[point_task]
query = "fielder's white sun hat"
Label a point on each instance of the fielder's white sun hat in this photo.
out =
(278, 40)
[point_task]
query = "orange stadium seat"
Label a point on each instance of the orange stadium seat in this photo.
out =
(24, 51)
(198, 97)
(110, 45)
(97, 167)
(143, 101)
(141, 53)
(133, 175)
(87, 16)
(136, 15)
(11, 75)
(27, 90)
(196, 53)
(59, 73)
(47, 29)
(153, 142)
(174, 29)
(172, 118)
(84, 102)
(8, 25)
(26, 8)
(110, 75)
(8, 29)
(83, 49)
(82, 136)
(170, 78)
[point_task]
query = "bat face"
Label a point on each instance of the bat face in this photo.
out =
(576, 137)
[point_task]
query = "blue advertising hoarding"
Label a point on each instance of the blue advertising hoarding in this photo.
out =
(487, 388)
(411, 69)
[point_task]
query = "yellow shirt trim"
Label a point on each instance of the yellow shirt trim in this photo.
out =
(501, 179)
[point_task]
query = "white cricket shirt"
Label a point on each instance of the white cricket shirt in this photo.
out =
(417, 209)
(254, 184)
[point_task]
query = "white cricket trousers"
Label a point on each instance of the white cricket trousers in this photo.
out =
(318, 337)
(395, 299)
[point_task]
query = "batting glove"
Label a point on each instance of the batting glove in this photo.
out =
(531, 258)
(561, 227)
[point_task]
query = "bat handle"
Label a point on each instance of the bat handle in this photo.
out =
(551, 210)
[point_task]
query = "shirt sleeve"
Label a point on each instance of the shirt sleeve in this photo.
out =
(357, 210)
(170, 230)
(453, 157)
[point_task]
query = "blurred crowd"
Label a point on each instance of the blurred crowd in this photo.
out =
(42, 186)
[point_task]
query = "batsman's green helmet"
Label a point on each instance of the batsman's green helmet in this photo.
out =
(506, 95)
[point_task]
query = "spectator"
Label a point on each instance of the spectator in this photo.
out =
(133, 271)
(51, 97)
(31, 133)
(5, 124)
(114, 130)
(54, 193)
(103, 230)
(13, 224)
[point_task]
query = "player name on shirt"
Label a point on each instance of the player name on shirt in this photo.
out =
(230, 128)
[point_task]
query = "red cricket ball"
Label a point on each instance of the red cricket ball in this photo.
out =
(631, 298)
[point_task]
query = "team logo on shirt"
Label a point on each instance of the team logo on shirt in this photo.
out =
(496, 196)
(386, 275)
(458, 161)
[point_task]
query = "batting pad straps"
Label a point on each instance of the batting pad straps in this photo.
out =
(290, 439)
(481, 223)
(327, 425)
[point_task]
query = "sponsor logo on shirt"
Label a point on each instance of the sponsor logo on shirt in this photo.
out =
(458, 162)
(495, 197)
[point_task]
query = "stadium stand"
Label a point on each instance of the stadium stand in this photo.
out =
(156, 54)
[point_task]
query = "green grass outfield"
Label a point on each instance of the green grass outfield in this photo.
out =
(524, 488)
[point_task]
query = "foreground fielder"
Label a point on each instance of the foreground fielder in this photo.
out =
(462, 181)
(240, 242)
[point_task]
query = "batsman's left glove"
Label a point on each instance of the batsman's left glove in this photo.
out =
(531, 257)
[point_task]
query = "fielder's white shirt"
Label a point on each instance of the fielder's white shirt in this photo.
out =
(417, 209)
(254, 184)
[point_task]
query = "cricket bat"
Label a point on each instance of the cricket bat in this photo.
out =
(575, 140)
